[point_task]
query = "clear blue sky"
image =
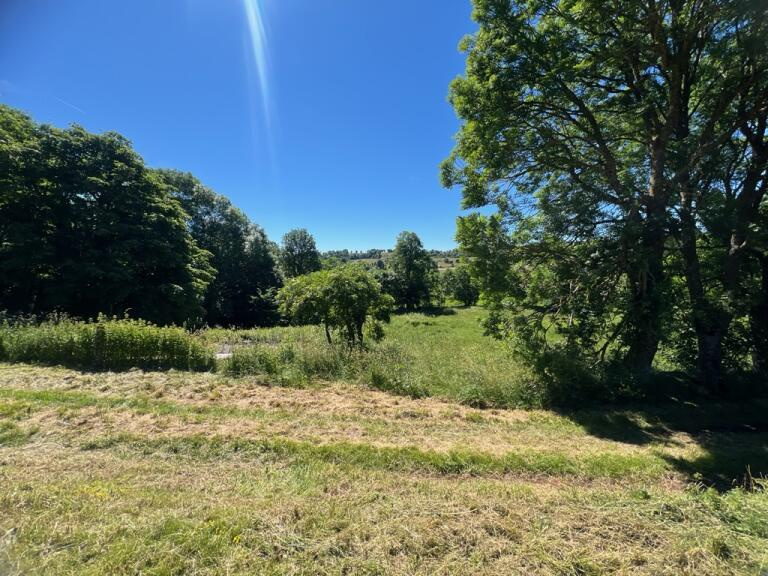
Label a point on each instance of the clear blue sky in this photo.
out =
(325, 114)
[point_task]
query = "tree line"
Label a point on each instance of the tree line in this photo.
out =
(86, 228)
(624, 146)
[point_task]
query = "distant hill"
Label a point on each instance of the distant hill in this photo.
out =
(443, 258)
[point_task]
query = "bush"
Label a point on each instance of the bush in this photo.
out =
(106, 344)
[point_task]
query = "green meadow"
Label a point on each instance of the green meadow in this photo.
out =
(297, 463)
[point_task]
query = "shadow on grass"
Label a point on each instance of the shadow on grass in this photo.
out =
(435, 311)
(733, 437)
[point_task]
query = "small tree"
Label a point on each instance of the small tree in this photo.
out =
(342, 299)
(298, 254)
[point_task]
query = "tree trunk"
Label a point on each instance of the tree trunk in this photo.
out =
(710, 325)
(759, 325)
(647, 277)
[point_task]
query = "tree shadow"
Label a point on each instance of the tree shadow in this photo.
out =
(733, 437)
(435, 311)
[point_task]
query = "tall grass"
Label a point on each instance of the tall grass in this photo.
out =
(441, 355)
(288, 364)
(295, 358)
(104, 344)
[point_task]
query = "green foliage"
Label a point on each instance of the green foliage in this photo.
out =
(413, 272)
(459, 284)
(106, 344)
(298, 254)
(85, 228)
(608, 137)
(343, 299)
(242, 292)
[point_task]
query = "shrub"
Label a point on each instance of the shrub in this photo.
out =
(106, 344)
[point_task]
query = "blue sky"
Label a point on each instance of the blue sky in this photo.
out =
(325, 114)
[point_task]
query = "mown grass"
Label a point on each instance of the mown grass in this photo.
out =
(715, 444)
(410, 459)
(112, 512)
(180, 473)
(11, 434)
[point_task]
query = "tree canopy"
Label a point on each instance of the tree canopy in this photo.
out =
(343, 299)
(413, 272)
(623, 145)
(459, 284)
(298, 253)
(247, 278)
(85, 228)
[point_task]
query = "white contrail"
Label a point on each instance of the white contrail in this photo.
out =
(77, 108)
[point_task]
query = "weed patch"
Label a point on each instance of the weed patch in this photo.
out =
(105, 344)
(11, 434)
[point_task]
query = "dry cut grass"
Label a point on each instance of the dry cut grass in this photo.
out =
(178, 473)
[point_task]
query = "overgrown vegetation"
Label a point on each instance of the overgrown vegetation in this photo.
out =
(443, 355)
(104, 344)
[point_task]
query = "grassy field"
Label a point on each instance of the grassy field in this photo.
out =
(442, 355)
(451, 358)
(202, 473)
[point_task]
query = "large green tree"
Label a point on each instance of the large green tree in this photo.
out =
(85, 228)
(413, 272)
(298, 253)
(608, 134)
(459, 284)
(247, 277)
